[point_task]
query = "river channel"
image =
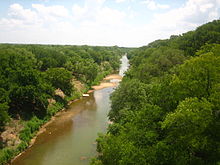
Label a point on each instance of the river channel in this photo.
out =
(70, 138)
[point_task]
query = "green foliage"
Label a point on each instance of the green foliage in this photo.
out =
(158, 62)
(30, 129)
(129, 91)
(166, 109)
(128, 145)
(100, 77)
(186, 130)
(60, 78)
(54, 108)
(30, 74)
(5, 155)
(25, 135)
(30, 89)
(3, 114)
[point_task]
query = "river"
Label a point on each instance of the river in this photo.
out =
(70, 138)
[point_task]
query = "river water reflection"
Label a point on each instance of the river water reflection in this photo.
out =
(70, 138)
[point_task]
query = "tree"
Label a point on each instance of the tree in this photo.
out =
(3, 114)
(166, 109)
(29, 93)
(60, 78)
(198, 76)
(186, 132)
(130, 95)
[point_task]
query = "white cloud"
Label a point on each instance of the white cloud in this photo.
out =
(110, 16)
(88, 11)
(79, 12)
(38, 16)
(119, 1)
(44, 0)
(95, 23)
(205, 7)
(94, 3)
(192, 14)
(152, 5)
(51, 12)
(97, 13)
(16, 11)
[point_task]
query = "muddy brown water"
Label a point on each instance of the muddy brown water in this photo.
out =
(70, 138)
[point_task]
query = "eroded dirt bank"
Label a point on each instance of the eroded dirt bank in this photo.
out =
(64, 114)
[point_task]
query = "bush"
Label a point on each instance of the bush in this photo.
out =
(22, 146)
(54, 108)
(31, 127)
(6, 155)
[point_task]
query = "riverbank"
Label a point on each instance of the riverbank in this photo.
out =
(106, 82)
(103, 84)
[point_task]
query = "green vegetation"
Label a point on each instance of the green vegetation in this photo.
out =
(36, 81)
(167, 110)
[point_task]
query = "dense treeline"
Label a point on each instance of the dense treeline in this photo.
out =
(167, 110)
(38, 80)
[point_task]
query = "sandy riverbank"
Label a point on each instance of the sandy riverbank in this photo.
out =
(113, 76)
(105, 84)
(102, 85)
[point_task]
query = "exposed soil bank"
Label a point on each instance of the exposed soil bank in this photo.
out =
(113, 76)
(69, 137)
(63, 115)
(107, 82)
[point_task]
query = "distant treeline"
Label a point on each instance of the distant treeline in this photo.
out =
(167, 108)
(30, 75)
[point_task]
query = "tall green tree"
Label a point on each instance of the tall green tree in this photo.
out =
(60, 78)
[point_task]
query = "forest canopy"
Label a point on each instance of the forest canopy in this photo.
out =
(166, 110)
(30, 74)
(36, 81)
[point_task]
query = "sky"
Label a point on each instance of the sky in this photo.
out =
(128, 23)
